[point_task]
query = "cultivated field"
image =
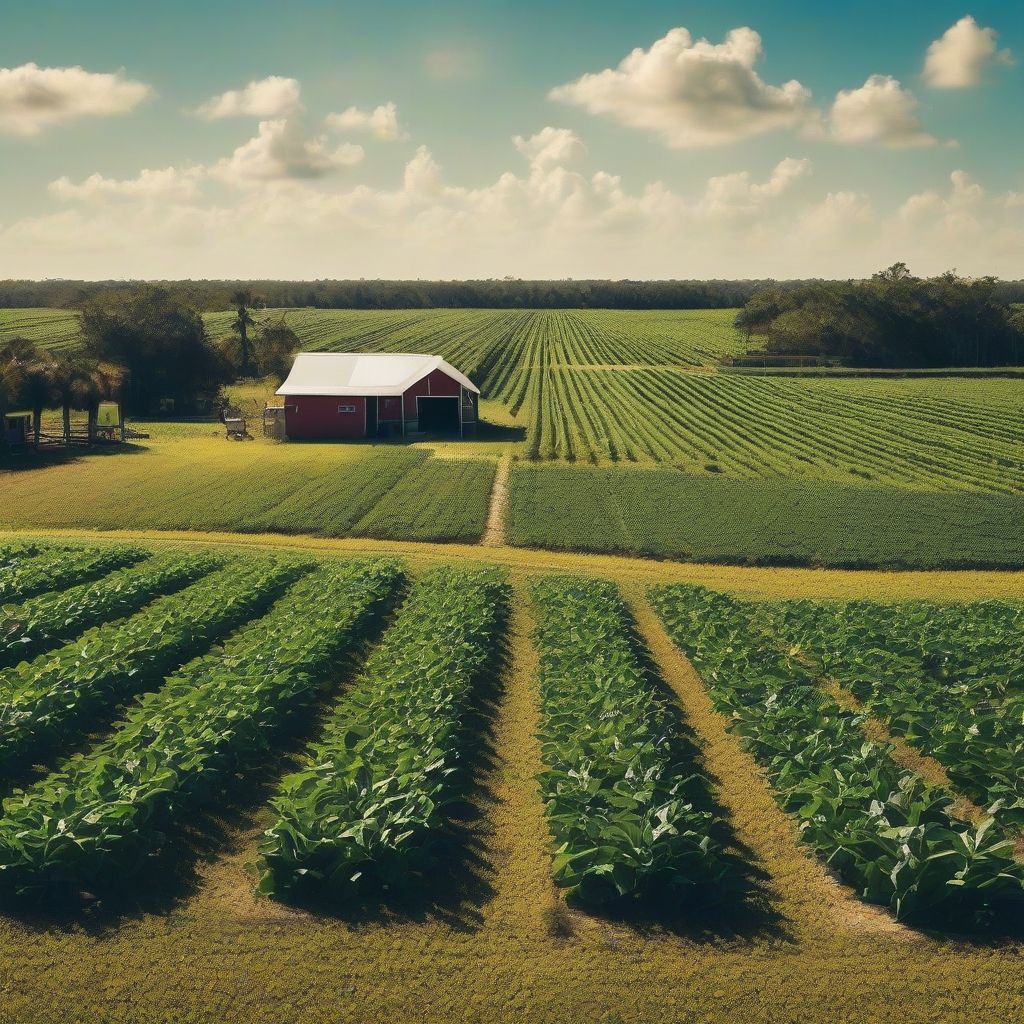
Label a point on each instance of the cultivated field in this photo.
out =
(188, 477)
(304, 787)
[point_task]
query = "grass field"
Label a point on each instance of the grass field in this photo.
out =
(486, 935)
(188, 477)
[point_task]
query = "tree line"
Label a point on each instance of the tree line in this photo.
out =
(891, 320)
(146, 347)
(505, 293)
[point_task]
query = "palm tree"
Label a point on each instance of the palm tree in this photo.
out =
(67, 378)
(10, 384)
(37, 390)
(243, 300)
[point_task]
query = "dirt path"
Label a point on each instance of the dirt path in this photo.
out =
(904, 754)
(494, 533)
(798, 888)
(754, 582)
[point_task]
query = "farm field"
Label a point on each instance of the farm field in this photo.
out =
(668, 514)
(621, 439)
(221, 771)
(607, 386)
(188, 477)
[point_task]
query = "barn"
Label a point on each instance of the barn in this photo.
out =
(376, 394)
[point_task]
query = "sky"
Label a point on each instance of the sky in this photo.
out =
(529, 139)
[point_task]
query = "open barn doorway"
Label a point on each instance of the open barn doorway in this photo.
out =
(439, 415)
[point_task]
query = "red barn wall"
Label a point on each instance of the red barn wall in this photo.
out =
(437, 383)
(389, 408)
(310, 417)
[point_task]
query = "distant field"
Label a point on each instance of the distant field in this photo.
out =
(55, 329)
(611, 386)
(669, 514)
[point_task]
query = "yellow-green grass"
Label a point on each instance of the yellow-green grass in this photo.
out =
(502, 946)
(188, 476)
(752, 582)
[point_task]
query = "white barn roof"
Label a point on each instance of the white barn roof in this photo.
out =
(364, 373)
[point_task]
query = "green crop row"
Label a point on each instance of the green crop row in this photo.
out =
(377, 785)
(51, 618)
(946, 678)
(881, 827)
(617, 795)
(14, 552)
(105, 811)
(51, 699)
(56, 567)
(441, 499)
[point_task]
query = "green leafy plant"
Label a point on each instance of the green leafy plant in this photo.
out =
(55, 697)
(886, 831)
(616, 794)
(377, 786)
(47, 619)
(50, 568)
(105, 811)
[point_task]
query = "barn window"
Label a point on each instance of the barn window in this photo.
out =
(346, 408)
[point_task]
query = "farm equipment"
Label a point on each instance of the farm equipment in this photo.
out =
(236, 429)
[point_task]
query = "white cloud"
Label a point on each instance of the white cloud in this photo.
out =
(837, 214)
(269, 97)
(169, 183)
(691, 93)
(880, 111)
(958, 59)
(280, 151)
(550, 146)
(381, 122)
(956, 208)
(33, 98)
(547, 218)
(738, 194)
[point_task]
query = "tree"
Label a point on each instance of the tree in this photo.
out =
(242, 300)
(894, 319)
(104, 382)
(159, 339)
(70, 380)
(11, 378)
(37, 390)
(276, 345)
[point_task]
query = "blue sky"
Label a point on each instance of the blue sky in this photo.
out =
(642, 173)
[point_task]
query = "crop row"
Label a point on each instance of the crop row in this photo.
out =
(374, 793)
(884, 829)
(776, 427)
(104, 812)
(52, 699)
(50, 618)
(618, 796)
(55, 567)
(946, 678)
